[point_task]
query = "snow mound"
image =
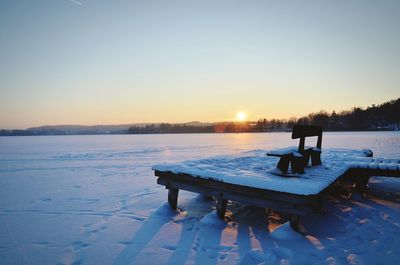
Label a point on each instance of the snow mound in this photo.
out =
(212, 219)
(286, 232)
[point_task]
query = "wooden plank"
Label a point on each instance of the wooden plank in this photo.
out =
(244, 190)
(354, 173)
(300, 131)
(221, 193)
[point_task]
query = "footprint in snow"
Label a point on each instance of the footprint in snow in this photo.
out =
(78, 245)
(169, 247)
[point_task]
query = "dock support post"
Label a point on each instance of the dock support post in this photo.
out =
(221, 208)
(295, 222)
(362, 186)
(173, 197)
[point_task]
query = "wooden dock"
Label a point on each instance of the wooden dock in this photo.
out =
(276, 193)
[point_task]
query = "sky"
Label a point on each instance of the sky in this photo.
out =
(117, 62)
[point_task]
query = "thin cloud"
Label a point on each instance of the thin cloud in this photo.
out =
(76, 2)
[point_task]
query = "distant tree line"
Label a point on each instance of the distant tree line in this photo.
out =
(28, 132)
(385, 116)
(170, 128)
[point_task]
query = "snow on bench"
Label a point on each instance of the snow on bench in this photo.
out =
(293, 150)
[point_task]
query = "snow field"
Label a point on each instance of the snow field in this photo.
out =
(94, 200)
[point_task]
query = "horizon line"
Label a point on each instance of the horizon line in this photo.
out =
(197, 121)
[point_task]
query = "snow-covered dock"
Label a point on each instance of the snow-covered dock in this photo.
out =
(250, 178)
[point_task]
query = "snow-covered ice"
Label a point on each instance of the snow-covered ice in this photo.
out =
(94, 200)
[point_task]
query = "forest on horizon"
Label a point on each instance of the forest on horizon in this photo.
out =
(385, 116)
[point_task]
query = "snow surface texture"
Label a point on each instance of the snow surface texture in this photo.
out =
(94, 200)
(255, 169)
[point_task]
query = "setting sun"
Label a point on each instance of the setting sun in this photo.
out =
(241, 116)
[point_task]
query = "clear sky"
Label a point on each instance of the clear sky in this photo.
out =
(116, 61)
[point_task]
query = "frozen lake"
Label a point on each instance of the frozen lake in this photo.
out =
(94, 200)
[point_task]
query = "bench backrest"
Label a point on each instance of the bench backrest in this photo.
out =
(303, 131)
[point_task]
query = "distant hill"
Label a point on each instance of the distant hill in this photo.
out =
(87, 129)
(84, 129)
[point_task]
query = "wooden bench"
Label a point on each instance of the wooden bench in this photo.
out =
(299, 158)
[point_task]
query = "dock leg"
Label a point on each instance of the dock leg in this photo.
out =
(221, 208)
(173, 197)
(207, 197)
(362, 186)
(295, 222)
